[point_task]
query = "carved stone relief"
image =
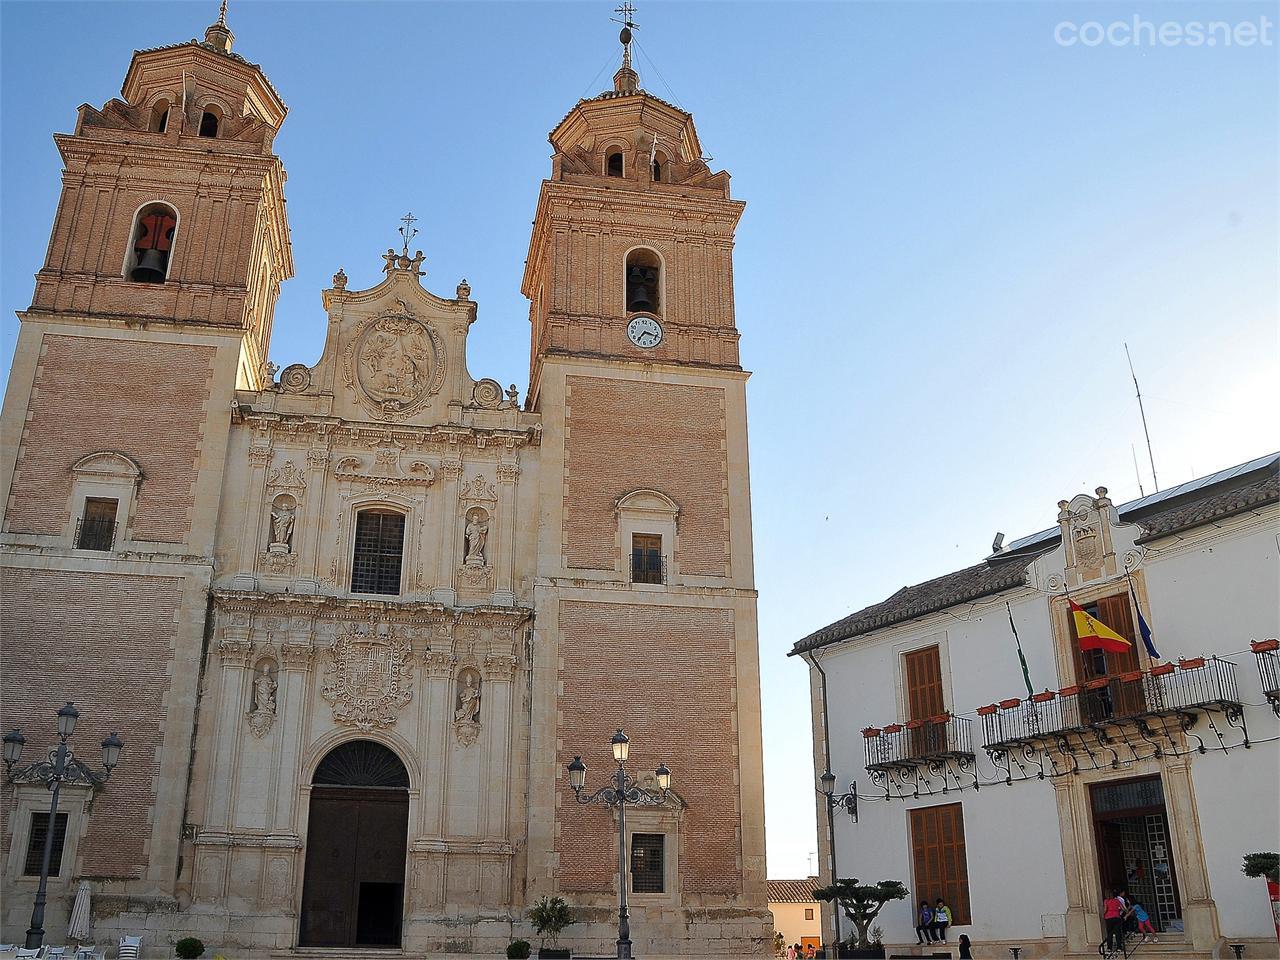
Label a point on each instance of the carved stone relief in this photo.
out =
(478, 489)
(367, 676)
(387, 468)
(395, 363)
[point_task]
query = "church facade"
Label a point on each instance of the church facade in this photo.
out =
(353, 620)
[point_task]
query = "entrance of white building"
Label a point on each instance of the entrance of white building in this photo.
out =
(1131, 827)
(353, 884)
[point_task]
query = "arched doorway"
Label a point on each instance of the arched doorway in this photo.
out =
(353, 886)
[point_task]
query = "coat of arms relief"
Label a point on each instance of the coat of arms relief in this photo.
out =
(395, 363)
(368, 676)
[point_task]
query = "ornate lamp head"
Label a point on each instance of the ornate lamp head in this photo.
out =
(67, 717)
(577, 774)
(13, 741)
(664, 778)
(621, 746)
(827, 783)
(111, 748)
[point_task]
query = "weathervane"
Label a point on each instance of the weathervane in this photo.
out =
(408, 231)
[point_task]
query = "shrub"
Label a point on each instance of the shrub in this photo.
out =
(549, 916)
(188, 948)
(518, 950)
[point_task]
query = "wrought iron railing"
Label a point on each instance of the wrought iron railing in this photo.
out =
(95, 534)
(1167, 689)
(1267, 655)
(917, 742)
(648, 570)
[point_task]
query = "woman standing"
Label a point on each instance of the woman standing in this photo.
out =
(1113, 910)
(966, 949)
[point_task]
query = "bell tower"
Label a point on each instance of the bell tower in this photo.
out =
(153, 305)
(645, 591)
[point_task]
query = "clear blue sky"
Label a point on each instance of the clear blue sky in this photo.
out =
(953, 223)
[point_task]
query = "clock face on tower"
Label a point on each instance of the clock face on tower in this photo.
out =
(644, 331)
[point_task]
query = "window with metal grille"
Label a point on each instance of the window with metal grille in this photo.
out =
(938, 855)
(646, 558)
(97, 529)
(379, 549)
(35, 844)
(647, 862)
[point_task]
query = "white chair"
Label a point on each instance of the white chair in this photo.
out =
(56, 953)
(87, 951)
(130, 948)
(36, 954)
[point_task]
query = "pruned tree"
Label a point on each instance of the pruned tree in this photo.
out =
(861, 902)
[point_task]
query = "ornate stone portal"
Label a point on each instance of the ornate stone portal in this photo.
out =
(367, 676)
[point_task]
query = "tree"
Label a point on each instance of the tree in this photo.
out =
(1262, 865)
(549, 916)
(861, 903)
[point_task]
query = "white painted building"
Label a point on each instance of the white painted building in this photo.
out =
(1020, 810)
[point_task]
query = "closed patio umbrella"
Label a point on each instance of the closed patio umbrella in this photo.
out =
(78, 926)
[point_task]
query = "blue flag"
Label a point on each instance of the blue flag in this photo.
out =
(1144, 629)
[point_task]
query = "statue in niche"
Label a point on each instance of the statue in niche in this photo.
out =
(468, 701)
(477, 534)
(283, 513)
(263, 714)
(466, 715)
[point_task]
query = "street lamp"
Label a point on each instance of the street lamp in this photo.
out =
(849, 802)
(622, 791)
(62, 765)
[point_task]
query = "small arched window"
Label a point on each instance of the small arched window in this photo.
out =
(644, 281)
(378, 553)
(659, 166)
(613, 165)
(208, 124)
(160, 116)
(151, 243)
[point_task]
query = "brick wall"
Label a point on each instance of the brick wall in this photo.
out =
(143, 399)
(623, 435)
(105, 642)
(666, 674)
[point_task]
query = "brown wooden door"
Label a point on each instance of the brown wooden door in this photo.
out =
(923, 669)
(1118, 698)
(353, 890)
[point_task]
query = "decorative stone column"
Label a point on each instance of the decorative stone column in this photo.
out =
(504, 551)
(1199, 912)
(251, 520)
(447, 557)
(311, 536)
(296, 657)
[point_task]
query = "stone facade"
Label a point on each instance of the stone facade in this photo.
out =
(235, 636)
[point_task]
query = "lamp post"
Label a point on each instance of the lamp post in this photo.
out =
(61, 765)
(622, 791)
(849, 802)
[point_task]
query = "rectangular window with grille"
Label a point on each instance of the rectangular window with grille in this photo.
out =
(938, 856)
(379, 550)
(647, 862)
(35, 845)
(646, 558)
(97, 529)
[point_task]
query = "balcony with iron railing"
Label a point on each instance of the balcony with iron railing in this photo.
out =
(1267, 655)
(647, 568)
(95, 533)
(918, 742)
(1174, 690)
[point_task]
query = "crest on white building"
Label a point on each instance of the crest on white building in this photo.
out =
(367, 676)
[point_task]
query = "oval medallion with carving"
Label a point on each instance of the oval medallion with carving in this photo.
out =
(395, 363)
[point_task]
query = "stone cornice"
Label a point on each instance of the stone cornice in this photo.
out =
(347, 608)
(372, 435)
(165, 156)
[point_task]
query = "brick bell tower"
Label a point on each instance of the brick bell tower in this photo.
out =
(153, 305)
(645, 591)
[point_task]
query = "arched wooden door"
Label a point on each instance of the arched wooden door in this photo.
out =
(353, 885)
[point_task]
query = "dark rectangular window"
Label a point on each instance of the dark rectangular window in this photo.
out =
(35, 844)
(938, 855)
(647, 862)
(97, 528)
(379, 549)
(808, 913)
(646, 558)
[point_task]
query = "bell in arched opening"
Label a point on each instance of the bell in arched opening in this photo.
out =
(152, 242)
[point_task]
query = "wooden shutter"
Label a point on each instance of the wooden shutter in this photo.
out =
(938, 856)
(923, 670)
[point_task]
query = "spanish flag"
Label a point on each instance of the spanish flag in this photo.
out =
(1094, 634)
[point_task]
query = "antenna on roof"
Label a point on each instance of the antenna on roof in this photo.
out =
(1143, 412)
(1136, 472)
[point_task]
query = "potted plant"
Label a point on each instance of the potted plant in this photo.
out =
(518, 950)
(1266, 865)
(549, 916)
(189, 948)
(862, 903)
